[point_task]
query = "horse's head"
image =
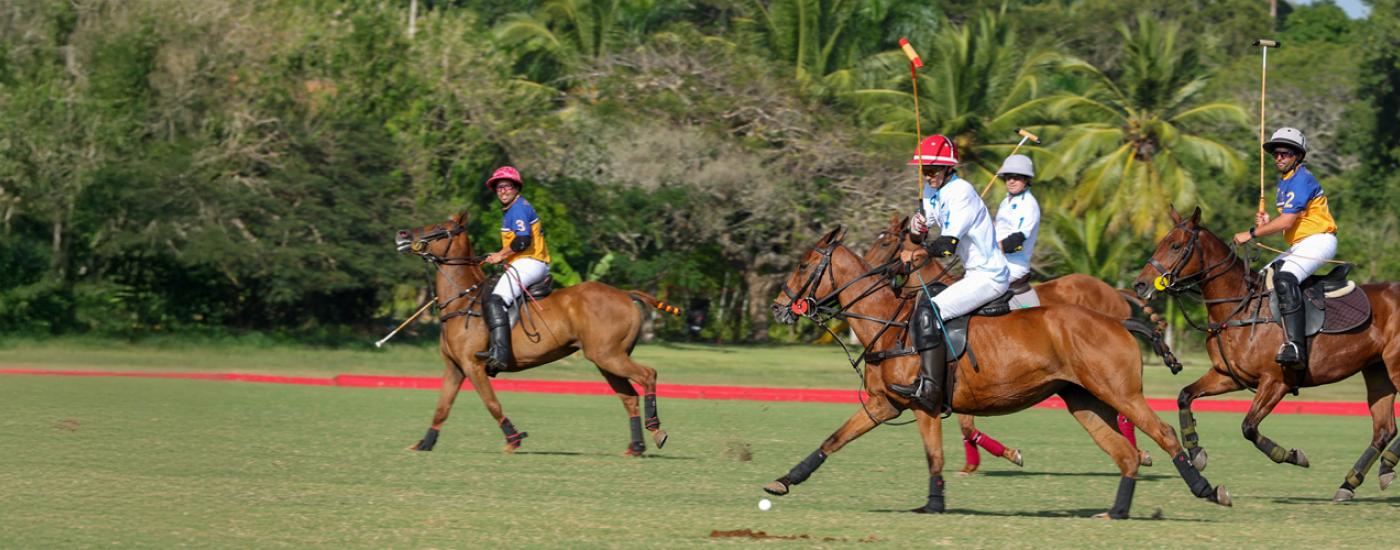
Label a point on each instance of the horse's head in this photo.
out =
(888, 242)
(810, 283)
(437, 242)
(1178, 261)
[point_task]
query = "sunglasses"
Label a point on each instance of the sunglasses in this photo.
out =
(1285, 153)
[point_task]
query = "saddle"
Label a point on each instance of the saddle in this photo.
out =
(954, 330)
(1331, 302)
(537, 291)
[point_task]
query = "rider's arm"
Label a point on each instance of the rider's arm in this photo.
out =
(1276, 225)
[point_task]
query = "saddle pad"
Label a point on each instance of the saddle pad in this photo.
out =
(1347, 312)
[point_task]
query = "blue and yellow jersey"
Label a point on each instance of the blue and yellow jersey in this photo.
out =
(1300, 193)
(521, 220)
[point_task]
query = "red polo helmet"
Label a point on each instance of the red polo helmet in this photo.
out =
(936, 150)
(508, 173)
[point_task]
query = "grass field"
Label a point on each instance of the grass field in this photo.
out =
(161, 463)
(795, 366)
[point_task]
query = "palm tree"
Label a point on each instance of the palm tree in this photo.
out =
(979, 83)
(1128, 139)
(1084, 244)
(824, 41)
(560, 35)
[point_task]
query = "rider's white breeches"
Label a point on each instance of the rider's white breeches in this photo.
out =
(520, 273)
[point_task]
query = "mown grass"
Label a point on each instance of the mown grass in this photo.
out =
(801, 366)
(167, 463)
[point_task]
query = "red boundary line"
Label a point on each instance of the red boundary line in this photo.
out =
(673, 391)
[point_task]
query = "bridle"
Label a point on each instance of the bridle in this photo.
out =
(1173, 282)
(420, 239)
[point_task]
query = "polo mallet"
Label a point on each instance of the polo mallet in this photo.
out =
(914, 64)
(1265, 44)
(401, 326)
(1024, 136)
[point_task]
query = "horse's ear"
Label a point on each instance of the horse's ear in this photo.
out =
(827, 238)
(840, 235)
(1176, 218)
(894, 221)
(1196, 216)
(462, 217)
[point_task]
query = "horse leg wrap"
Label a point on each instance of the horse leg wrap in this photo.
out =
(974, 458)
(1189, 438)
(1129, 431)
(1363, 465)
(1124, 501)
(804, 469)
(512, 437)
(1267, 446)
(1391, 455)
(429, 440)
(991, 445)
(653, 421)
(637, 446)
(1197, 482)
(935, 503)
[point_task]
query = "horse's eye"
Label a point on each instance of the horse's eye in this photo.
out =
(1176, 246)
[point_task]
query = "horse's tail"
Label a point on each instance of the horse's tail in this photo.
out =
(651, 301)
(1154, 336)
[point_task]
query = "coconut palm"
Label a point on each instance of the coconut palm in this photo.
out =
(824, 41)
(1083, 244)
(1128, 139)
(978, 84)
(560, 35)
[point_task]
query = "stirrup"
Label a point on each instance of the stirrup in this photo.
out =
(1290, 356)
(921, 392)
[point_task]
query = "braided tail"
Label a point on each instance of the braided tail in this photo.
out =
(1155, 333)
(651, 301)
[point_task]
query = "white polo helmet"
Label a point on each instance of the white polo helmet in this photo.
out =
(1287, 137)
(1017, 164)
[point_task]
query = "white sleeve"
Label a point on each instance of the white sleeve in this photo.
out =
(1030, 220)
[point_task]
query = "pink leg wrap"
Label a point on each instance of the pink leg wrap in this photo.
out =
(991, 445)
(974, 458)
(1129, 431)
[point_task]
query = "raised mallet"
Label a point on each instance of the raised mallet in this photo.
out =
(401, 326)
(1263, 44)
(1024, 136)
(914, 63)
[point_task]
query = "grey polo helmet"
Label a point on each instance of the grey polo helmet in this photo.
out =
(1288, 137)
(1017, 164)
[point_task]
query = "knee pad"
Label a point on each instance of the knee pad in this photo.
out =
(924, 325)
(1290, 295)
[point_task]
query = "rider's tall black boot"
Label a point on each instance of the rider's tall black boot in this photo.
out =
(927, 389)
(1294, 351)
(497, 357)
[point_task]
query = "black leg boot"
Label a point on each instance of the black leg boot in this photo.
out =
(927, 389)
(498, 356)
(1293, 352)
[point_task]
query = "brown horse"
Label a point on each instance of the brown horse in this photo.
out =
(601, 320)
(1075, 288)
(1241, 347)
(1088, 359)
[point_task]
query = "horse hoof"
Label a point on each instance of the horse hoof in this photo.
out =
(1344, 494)
(1107, 515)
(1296, 456)
(633, 452)
(418, 447)
(1386, 479)
(1014, 455)
(926, 509)
(967, 471)
(659, 437)
(1144, 458)
(1199, 461)
(776, 488)
(1222, 497)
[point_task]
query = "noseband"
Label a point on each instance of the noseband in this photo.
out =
(421, 240)
(1171, 280)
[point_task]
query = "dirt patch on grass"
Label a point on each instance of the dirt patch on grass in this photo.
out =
(760, 535)
(67, 424)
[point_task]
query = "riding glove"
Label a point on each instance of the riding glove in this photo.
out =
(944, 246)
(1013, 242)
(917, 223)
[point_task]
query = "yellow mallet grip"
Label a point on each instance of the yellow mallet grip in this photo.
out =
(1023, 133)
(910, 53)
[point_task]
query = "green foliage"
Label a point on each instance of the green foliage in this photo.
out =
(1321, 21)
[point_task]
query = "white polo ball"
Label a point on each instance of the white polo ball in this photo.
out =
(765, 504)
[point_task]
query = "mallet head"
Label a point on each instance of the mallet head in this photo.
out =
(1023, 133)
(1266, 43)
(910, 53)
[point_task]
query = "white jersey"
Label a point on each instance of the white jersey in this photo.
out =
(958, 211)
(1019, 214)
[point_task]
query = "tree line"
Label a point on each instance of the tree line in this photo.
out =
(214, 165)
